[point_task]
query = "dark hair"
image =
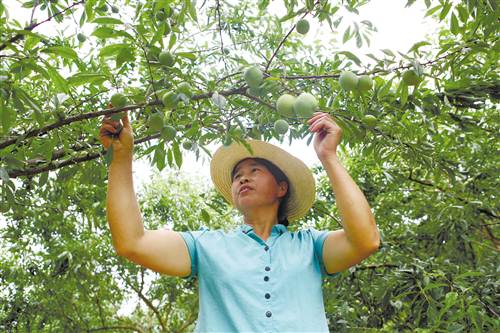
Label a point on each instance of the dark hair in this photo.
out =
(279, 176)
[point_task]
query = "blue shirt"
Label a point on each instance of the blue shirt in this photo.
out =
(250, 285)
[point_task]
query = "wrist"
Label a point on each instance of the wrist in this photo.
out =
(122, 158)
(331, 159)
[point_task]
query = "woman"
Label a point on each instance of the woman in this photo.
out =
(258, 277)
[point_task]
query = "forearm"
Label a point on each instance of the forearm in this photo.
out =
(357, 218)
(122, 209)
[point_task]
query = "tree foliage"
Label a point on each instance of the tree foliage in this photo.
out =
(428, 165)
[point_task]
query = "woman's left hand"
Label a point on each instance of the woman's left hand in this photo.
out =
(328, 134)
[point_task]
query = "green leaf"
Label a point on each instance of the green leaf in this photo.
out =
(89, 10)
(160, 31)
(172, 40)
(31, 42)
(109, 155)
(192, 10)
(82, 19)
(418, 45)
(462, 13)
(125, 55)
(205, 216)
(8, 117)
(432, 10)
(170, 158)
(404, 93)
(27, 99)
(359, 42)
(388, 52)
(188, 55)
(177, 154)
(159, 157)
(59, 82)
(445, 11)
(454, 24)
(263, 4)
(347, 35)
(4, 175)
(82, 78)
(62, 51)
(104, 32)
(351, 56)
(112, 50)
(107, 20)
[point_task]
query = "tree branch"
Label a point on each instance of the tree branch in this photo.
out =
(90, 115)
(30, 27)
(107, 328)
(148, 303)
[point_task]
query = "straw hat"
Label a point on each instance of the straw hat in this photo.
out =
(302, 186)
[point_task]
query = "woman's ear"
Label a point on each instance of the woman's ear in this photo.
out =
(283, 188)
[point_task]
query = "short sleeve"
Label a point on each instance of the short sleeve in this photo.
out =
(191, 239)
(319, 237)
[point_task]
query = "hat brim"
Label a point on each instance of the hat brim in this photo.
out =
(302, 185)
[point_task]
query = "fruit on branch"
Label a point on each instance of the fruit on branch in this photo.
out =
(365, 83)
(348, 80)
(410, 78)
(170, 99)
(302, 26)
(166, 58)
(305, 105)
(118, 100)
(284, 105)
(281, 126)
(81, 37)
(187, 145)
(186, 89)
(369, 120)
(168, 133)
(155, 121)
(253, 76)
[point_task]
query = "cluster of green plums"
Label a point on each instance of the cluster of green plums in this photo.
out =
(156, 121)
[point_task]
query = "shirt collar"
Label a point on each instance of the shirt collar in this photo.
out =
(277, 228)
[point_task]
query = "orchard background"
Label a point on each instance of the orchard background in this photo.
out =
(427, 160)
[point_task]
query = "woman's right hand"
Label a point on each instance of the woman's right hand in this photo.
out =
(123, 145)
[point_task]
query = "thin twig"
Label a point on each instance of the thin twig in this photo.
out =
(20, 36)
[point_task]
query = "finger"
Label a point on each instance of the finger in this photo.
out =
(110, 121)
(125, 120)
(106, 132)
(315, 116)
(317, 121)
(109, 127)
(324, 125)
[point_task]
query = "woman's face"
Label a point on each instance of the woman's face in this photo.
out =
(263, 189)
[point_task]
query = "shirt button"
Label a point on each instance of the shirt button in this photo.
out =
(268, 295)
(268, 314)
(266, 248)
(266, 278)
(267, 268)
